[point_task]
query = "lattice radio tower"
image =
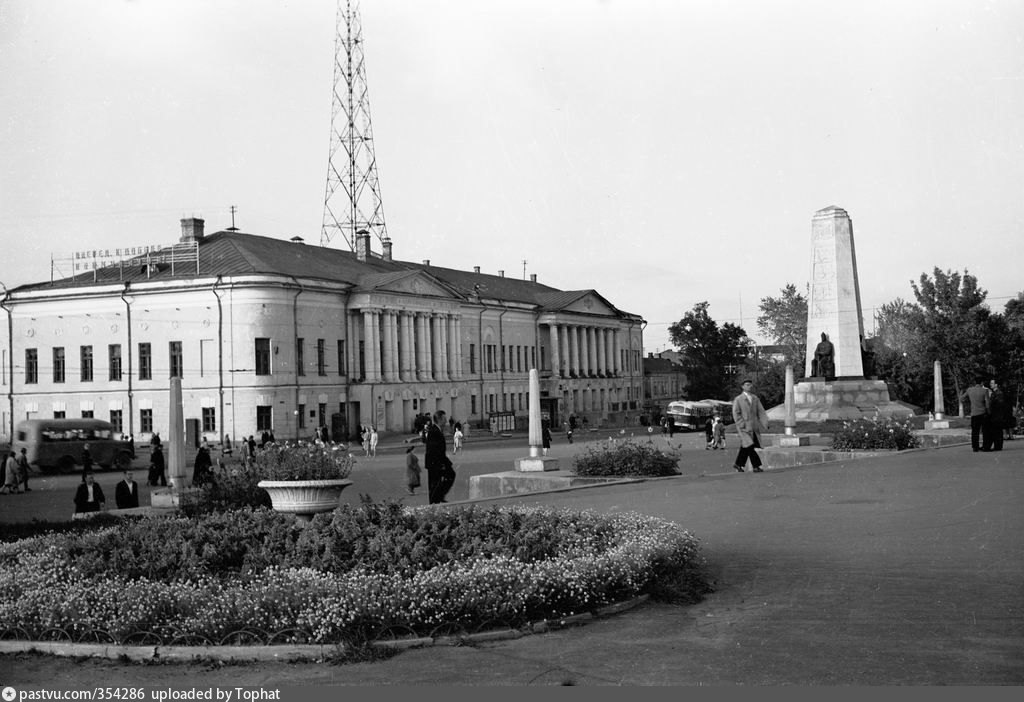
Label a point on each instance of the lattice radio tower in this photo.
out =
(352, 202)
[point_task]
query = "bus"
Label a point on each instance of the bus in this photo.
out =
(56, 444)
(692, 415)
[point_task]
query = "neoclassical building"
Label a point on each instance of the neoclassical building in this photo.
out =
(276, 335)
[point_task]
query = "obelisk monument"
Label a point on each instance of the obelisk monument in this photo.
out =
(835, 386)
(833, 307)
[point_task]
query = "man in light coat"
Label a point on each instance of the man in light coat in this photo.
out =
(751, 419)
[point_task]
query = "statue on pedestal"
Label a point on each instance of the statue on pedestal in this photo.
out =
(824, 363)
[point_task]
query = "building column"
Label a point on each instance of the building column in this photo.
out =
(390, 347)
(574, 350)
(564, 342)
(423, 357)
(602, 359)
(616, 353)
(443, 360)
(556, 357)
(370, 347)
(351, 348)
(454, 365)
(406, 369)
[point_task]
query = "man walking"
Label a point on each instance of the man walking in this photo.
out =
(977, 397)
(751, 419)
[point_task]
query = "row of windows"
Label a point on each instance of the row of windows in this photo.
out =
(516, 356)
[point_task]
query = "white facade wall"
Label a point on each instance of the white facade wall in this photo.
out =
(219, 358)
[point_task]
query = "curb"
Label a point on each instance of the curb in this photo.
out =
(297, 653)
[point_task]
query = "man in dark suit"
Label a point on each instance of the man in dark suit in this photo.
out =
(977, 397)
(126, 494)
(89, 496)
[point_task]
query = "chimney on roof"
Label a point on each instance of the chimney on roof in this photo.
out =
(362, 245)
(426, 262)
(191, 230)
(296, 240)
(501, 274)
(386, 243)
(476, 269)
(533, 277)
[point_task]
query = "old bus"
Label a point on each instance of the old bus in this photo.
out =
(690, 415)
(56, 444)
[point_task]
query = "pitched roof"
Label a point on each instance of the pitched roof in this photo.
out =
(232, 253)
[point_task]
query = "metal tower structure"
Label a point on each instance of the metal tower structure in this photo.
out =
(352, 201)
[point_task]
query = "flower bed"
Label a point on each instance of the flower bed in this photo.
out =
(626, 458)
(875, 433)
(349, 576)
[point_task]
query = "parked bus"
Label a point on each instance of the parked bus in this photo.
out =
(56, 444)
(691, 415)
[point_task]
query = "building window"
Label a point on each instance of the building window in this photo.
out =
(59, 414)
(341, 357)
(86, 358)
(146, 420)
(31, 366)
(301, 414)
(145, 362)
(472, 359)
(174, 350)
(117, 421)
(58, 364)
(321, 357)
(472, 404)
(87, 414)
(300, 356)
(362, 360)
(209, 419)
(114, 356)
(264, 418)
(262, 356)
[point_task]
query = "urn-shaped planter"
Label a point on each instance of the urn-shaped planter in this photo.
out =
(304, 498)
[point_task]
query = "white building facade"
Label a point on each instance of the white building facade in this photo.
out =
(269, 335)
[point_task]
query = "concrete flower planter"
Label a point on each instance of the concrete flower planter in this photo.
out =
(304, 498)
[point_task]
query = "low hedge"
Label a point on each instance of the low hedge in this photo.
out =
(626, 457)
(346, 576)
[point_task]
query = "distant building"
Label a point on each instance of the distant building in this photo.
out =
(664, 382)
(272, 335)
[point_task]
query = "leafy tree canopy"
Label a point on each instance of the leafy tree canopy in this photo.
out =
(711, 354)
(783, 319)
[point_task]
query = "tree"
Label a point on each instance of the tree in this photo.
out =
(950, 324)
(711, 354)
(784, 320)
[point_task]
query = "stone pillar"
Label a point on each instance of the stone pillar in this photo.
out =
(617, 351)
(176, 457)
(940, 403)
(389, 353)
(790, 423)
(602, 367)
(436, 368)
(556, 357)
(535, 461)
(833, 306)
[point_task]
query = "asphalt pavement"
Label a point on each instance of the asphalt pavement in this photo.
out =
(904, 569)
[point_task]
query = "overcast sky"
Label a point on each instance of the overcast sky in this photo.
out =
(660, 152)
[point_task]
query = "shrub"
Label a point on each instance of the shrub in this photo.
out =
(626, 458)
(875, 433)
(303, 461)
(346, 576)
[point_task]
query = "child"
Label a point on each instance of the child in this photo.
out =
(718, 433)
(412, 470)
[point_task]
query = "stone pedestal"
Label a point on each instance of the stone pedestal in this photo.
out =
(169, 498)
(793, 440)
(818, 400)
(536, 464)
(937, 424)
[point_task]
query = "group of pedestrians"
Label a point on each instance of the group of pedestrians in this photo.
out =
(89, 496)
(14, 474)
(992, 417)
(440, 469)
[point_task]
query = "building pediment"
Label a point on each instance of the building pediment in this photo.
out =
(591, 303)
(415, 283)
